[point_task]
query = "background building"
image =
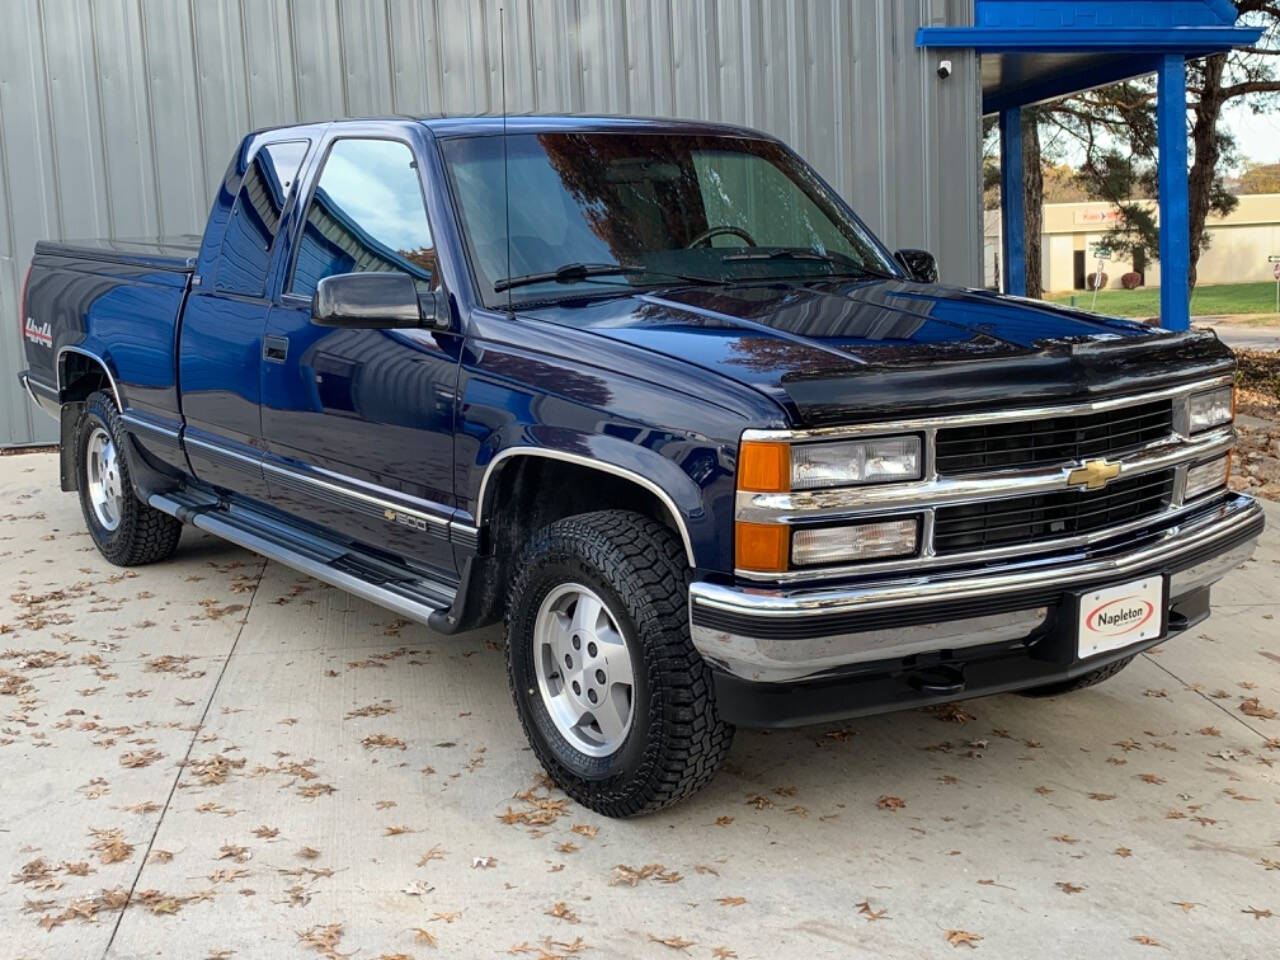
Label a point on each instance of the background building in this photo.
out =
(1240, 244)
(118, 118)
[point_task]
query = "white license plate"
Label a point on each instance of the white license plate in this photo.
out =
(1118, 616)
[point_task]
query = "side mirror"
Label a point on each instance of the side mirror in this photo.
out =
(371, 301)
(920, 265)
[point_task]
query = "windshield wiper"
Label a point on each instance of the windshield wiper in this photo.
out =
(577, 272)
(846, 265)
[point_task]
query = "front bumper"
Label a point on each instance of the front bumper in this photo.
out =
(757, 638)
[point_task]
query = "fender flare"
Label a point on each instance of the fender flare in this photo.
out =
(679, 517)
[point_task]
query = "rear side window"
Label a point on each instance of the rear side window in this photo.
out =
(367, 213)
(255, 218)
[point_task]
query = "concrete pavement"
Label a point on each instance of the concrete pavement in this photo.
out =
(215, 757)
(1241, 336)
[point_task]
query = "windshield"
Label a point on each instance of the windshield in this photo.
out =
(668, 209)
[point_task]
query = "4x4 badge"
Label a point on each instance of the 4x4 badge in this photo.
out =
(1094, 475)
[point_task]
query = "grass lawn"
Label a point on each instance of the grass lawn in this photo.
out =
(1206, 301)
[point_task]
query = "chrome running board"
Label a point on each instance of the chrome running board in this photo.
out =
(398, 588)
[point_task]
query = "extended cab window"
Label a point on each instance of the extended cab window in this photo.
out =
(255, 218)
(367, 213)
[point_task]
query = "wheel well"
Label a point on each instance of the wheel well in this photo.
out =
(81, 375)
(530, 492)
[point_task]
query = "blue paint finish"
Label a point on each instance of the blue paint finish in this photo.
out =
(1128, 26)
(1061, 84)
(1175, 242)
(658, 384)
(1012, 203)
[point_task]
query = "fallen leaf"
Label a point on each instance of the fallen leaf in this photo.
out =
(1147, 941)
(958, 937)
(870, 913)
(437, 852)
(1257, 914)
(561, 911)
(1252, 708)
(891, 803)
(424, 936)
(731, 901)
(1067, 887)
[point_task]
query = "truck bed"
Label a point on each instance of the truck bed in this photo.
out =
(176, 253)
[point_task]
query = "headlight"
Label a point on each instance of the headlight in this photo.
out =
(1210, 409)
(862, 541)
(1207, 476)
(849, 462)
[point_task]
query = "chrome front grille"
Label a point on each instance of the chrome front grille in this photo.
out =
(1028, 520)
(1052, 440)
(1011, 482)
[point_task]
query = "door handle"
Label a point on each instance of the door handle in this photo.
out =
(275, 349)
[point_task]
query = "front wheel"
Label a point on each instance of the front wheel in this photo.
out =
(125, 530)
(616, 702)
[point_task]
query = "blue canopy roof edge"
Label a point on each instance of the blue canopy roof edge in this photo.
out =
(1191, 27)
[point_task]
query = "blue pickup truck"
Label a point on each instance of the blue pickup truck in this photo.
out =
(650, 392)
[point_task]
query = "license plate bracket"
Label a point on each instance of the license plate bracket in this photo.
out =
(1113, 617)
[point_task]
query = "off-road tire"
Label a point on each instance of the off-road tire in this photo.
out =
(1080, 682)
(144, 534)
(676, 741)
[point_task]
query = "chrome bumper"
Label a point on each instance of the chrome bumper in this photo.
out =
(792, 633)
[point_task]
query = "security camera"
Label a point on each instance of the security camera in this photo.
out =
(944, 69)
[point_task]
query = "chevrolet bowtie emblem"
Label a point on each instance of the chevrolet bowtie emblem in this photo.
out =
(1094, 475)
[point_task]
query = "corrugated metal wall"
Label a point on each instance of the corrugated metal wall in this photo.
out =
(117, 116)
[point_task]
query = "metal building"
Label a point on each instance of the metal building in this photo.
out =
(117, 117)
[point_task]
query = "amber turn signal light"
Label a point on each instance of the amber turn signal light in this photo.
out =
(761, 547)
(764, 467)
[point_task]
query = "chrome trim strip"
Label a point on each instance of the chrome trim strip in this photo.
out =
(988, 417)
(218, 449)
(840, 502)
(929, 560)
(57, 366)
(1229, 518)
(44, 388)
(134, 422)
(767, 660)
(595, 465)
(31, 395)
(342, 490)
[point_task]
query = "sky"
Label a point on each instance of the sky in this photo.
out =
(1258, 136)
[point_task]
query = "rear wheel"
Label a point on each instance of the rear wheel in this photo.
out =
(1080, 682)
(125, 530)
(616, 702)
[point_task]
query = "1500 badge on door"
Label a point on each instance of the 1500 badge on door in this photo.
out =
(1118, 616)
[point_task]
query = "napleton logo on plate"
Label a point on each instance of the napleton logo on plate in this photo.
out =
(1122, 615)
(1094, 475)
(38, 333)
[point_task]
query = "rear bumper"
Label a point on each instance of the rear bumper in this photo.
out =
(772, 644)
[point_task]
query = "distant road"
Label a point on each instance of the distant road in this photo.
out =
(1245, 337)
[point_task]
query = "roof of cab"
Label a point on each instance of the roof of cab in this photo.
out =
(492, 124)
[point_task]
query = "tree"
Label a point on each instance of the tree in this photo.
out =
(1260, 178)
(1115, 127)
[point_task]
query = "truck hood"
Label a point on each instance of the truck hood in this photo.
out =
(838, 352)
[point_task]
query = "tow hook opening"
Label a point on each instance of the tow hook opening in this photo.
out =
(937, 680)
